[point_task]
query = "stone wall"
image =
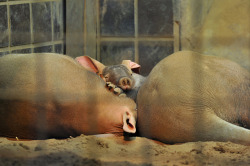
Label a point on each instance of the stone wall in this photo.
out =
(216, 27)
(29, 26)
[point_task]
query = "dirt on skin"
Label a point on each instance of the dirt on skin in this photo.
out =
(109, 151)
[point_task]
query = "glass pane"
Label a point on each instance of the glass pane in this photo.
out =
(24, 51)
(20, 24)
(43, 49)
(117, 17)
(150, 53)
(4, 41)
(3, 53)
(41, 22)
(114, 52)
(155, 18)
(58, 20)
(58, 48)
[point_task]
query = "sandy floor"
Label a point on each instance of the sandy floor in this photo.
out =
(92, 150)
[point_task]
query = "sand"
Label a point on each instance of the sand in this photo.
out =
(112, 151)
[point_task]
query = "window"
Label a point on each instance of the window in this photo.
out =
(140, 30)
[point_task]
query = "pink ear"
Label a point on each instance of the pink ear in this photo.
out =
(129, 122)
(87, 63)
(135, 67)
(132, 65)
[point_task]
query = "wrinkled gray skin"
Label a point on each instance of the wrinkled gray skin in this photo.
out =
(122, 77)
(139, 80)
(191, 97)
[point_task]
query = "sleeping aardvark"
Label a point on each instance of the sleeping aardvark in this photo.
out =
(51, 96)
(187, 97)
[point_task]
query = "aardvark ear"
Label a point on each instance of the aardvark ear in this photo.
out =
(90, 64)
(129, 122)
(132, 65)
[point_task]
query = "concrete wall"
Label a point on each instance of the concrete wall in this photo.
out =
(216, 27)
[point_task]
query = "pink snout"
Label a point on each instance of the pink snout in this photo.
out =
(125, 83)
